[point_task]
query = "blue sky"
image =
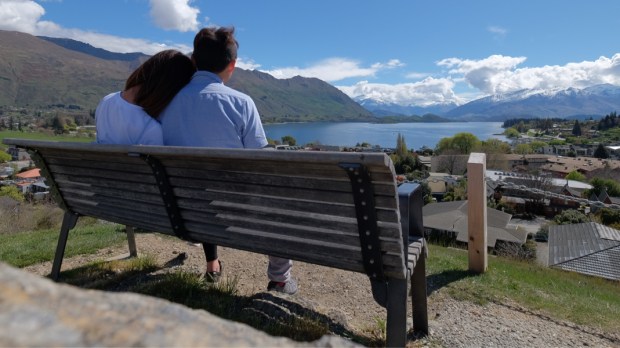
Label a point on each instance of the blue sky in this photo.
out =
(401, 51)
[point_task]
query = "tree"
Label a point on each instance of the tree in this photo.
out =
(523, 149)
(404, 161)
(287, 139)
(495, 150)
(577, 128)
(11, 192)
(450, 161)
(571, 216)
(535, 202)
(4, 157)
(575, 175)
(401, 146)
(511, 133)
(609, 216)
(599, 184)
(456, 192)
(462, 143)
(536, 145)
(601, 152)
(465, 142)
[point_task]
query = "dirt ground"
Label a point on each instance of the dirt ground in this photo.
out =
(345, 297)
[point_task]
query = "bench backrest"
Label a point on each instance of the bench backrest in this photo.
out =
(318, 207)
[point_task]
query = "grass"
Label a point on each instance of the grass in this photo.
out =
(41, 136)
(27, 248)
(557, 294)
(593, 301)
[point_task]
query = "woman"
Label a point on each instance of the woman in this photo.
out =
(130, 117)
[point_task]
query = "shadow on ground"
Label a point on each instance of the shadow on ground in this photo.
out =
(274, 313)
(437, 281)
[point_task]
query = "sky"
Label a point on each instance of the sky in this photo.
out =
(408, 52)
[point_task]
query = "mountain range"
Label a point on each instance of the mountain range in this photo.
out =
(43, 71)
(594, 101)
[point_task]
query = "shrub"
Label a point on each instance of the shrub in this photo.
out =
(526, 252)
(609, 216)
(11, 192)
(542, 234)
(571, 216)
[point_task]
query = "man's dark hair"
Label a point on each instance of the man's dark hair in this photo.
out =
(214, 49)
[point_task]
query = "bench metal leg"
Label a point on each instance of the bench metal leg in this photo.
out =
(68, 222)
(418, 295)
(131, 241)
(396, 328)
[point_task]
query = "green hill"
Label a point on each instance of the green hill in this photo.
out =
(39, 73)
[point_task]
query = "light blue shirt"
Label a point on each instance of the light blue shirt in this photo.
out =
(207, 113)
(120, 122)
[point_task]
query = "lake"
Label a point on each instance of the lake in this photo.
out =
(348, 134)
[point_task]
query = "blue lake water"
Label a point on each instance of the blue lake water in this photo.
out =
(348, 134)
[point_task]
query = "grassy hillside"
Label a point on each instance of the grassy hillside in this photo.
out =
(37, 73)
(297, 99)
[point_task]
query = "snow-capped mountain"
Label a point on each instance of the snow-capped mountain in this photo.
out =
(595, 101)
(382, 108)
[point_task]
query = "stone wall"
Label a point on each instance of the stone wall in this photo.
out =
(34, 311)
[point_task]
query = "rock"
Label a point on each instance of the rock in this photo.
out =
(34, 311)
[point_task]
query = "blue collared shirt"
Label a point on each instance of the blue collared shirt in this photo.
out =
(208, 113)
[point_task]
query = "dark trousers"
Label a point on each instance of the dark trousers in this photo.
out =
(210, 251)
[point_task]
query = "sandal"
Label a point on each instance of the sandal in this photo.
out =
(214, 276)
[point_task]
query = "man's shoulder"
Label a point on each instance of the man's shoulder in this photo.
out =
(229, 91)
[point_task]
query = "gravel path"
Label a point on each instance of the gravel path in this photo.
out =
(345, 298)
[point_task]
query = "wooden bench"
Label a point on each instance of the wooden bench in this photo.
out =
(336, 209)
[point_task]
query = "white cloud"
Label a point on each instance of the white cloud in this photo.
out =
(174, 15)
(416, 75)
(499, 74)
(20, 15)
(391, 64)
(488, 74)
(25, 15)
(427, 92)
(331, 69)
(247, 64)
(334, 69)
(498, 32)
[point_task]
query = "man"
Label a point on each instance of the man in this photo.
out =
(208, 113)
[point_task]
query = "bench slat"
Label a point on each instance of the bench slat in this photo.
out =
(87, 189)
(249, 165)
(328, 254)
(183, 187)
(139, 194)
(135, 220)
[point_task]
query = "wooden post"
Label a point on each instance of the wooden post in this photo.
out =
(131, 241)
(477, 212)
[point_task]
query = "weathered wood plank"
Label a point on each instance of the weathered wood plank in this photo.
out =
(103, 174)
(94, 182)
(100, 164)
(306, 232)
(328, 254)
(289, 203)
(183, 153)
(139, 196)
(317, 170)
(283, 215)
